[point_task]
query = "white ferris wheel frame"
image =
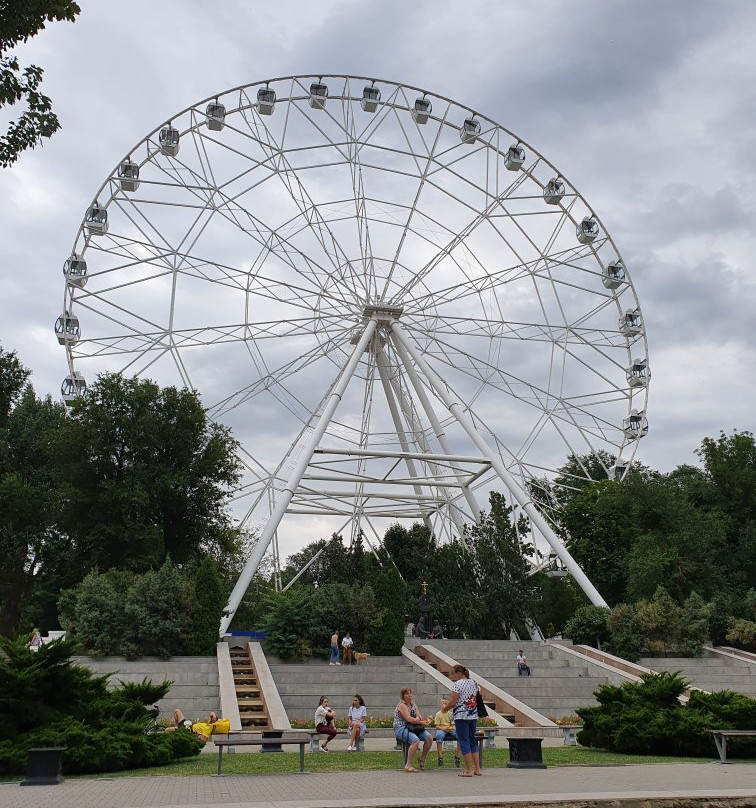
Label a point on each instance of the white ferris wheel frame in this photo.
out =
(365, 320)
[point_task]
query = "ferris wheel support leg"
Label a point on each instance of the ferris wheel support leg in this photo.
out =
(383, 372)
(435, 423)
(417, 429)
(457, 409)
(282, 503)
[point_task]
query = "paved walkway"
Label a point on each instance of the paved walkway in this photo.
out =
(392, 789)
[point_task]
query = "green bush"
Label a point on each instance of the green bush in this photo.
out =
(741, 633)
(162, 612)
(50, 701)
(648, 718)
(625, 640)
(588, 626)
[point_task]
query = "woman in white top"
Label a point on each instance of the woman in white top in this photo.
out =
(356, 714)
(324, 716)
(462, 700)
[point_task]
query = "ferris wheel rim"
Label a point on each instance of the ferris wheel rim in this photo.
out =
(194, 108)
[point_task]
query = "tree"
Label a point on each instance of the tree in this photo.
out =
(391, 598)
(588, 626)
(730, 466)
(660, 623)
(411, 550)
(31, 496)
(500, 565)
(19, 21)
(149, 477)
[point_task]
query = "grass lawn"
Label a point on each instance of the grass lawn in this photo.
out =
(282, 762)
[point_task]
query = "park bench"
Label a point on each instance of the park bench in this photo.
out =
(721, 736)
(315, 739)
(481, 736)
(298, 739)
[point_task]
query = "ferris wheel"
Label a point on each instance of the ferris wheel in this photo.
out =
(395, 302)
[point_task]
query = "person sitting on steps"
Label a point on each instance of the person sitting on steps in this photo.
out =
(522, 664)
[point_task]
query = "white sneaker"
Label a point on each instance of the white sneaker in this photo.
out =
(350, 749)
(323, 749)
(331, 664)
(337, 663)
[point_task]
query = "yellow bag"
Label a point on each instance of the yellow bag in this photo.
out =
(221, 726)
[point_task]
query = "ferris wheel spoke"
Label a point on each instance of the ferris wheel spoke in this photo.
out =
(341, 271)
(279, 374)
(423, 171)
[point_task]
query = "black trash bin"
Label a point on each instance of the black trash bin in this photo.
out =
(525, 753)
(43, 766)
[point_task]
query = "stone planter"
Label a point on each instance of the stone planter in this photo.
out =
(570, 733)
(43, 766)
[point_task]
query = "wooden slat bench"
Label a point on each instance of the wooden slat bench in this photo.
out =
(721, 736)
(299, 739)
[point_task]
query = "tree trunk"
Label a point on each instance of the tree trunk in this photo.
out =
(16, 582)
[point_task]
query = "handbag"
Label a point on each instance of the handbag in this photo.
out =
(480, 704)
(416, 729)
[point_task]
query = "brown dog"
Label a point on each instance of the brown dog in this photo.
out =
(360, 657)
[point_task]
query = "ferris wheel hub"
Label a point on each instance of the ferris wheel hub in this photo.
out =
(383, 312)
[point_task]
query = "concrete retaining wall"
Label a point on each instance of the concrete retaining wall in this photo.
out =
(195, 690)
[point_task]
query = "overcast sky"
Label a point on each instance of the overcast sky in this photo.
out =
(648, 108)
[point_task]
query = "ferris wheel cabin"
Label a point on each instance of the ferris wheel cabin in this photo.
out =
(515, 157)
(470, 130)
(617, 471)
(554, 191)
(215, 116)
(266, 101)
(422, 110)
(169, 140)
(635, 425)
(128, 175)
(75, 270)
(631, 323)
(318, 95)
(637, 374)
(67, 329)
(96, 220)
(371, 97)
(74, 386)
(614, 275)
(587, 231)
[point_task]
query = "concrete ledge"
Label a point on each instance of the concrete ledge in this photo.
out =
(274, 707)
(228, 701)
(601, 666)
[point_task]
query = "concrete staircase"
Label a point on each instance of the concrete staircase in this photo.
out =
(559, 683)
(378, 680)
(718, 670)
(252, 712)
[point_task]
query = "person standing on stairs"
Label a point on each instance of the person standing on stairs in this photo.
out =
(346, 648)
(333, 659)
